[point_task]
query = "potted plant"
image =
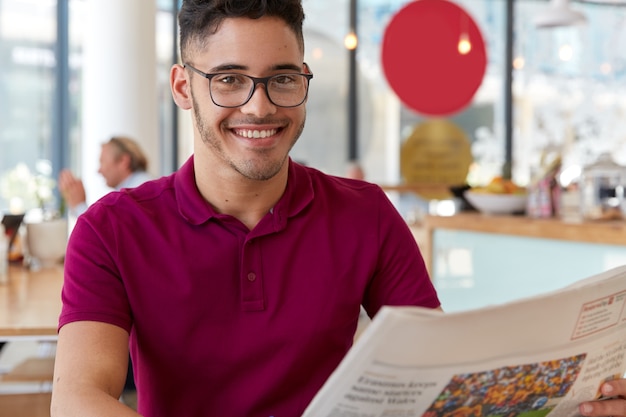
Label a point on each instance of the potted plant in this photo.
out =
(45, 227)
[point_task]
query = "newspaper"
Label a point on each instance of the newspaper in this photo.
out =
(531, 357)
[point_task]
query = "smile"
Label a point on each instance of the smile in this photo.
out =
(255, 134)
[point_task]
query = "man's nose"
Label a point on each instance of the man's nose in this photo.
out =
(259, 104)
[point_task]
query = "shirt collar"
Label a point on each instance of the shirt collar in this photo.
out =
(298, 194)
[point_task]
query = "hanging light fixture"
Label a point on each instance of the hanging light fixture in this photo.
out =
(606, 2)
(465, 44)
(559, 13)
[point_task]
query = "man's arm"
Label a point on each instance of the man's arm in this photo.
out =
(615, 407)
(89, 371)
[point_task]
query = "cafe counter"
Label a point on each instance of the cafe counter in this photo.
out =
(477, 259)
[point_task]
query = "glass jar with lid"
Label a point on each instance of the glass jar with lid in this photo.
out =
(602, 190)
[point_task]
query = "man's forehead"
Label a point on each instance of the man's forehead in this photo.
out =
(244, 32)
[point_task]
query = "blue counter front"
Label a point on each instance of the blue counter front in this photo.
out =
(477, 261)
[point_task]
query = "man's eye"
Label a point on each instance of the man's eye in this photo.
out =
(227, 79)
(283, 79)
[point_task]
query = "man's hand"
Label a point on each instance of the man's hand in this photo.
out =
(615, 406)
(71, 189)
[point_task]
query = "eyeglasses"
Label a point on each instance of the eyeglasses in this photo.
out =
(234, 90)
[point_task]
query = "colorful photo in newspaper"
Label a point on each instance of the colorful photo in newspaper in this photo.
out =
(530, 390)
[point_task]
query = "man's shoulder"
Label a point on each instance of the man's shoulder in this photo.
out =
(137, 178)
(151, 188)
(341, 185)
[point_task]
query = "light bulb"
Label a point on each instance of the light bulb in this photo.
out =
(351, 41)
(318, 53)
(606, 68)
(566, 52)
(464, 46)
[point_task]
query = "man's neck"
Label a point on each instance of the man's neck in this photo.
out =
(245, 199)
(123, 181)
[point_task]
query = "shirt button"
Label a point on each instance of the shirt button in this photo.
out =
(251, 276)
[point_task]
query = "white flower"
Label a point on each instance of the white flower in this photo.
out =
(26, 190)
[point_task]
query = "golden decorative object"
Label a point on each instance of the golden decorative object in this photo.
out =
(437, 153)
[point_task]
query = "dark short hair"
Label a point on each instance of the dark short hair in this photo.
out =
(127, 146)
(199, 18)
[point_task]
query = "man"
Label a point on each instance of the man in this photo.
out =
(122, 164)
(238, 279)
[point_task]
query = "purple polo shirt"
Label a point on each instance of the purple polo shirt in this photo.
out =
(224, 321)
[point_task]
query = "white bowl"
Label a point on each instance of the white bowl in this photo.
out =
(492, 203)
(46, 242)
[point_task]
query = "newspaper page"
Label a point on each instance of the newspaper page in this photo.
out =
(531, 357)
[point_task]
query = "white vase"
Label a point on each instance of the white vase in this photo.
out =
(46, 242)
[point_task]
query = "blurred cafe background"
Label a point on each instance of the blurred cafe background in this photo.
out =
(75, 72)
(541, 116)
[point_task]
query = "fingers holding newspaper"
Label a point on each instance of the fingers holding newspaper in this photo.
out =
(614, 404)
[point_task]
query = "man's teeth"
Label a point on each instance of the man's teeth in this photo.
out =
(256, 134)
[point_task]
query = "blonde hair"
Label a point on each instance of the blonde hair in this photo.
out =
(127, 146)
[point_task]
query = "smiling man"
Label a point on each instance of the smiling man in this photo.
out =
(236, 282)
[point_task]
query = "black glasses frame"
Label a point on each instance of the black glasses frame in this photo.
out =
(255, 81)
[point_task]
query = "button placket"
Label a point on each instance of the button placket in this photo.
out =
(251, 280)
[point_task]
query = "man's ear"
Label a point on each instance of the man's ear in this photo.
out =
(180, 85)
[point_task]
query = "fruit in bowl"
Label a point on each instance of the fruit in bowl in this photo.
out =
(500, 196)
(499, 185)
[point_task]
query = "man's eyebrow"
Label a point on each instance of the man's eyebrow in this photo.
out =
(288, 66)
(236, 67)
(227, 67)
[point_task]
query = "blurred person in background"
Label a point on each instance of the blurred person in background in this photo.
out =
(123, 164)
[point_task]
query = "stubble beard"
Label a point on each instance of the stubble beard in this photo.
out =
(261, 168)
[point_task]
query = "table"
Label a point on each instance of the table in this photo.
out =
(30, 303)
(32, 404)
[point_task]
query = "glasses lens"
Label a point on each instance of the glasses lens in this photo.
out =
(231, 90)
(287, 90)
(234, 90)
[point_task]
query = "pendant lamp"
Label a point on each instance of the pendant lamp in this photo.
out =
(606, 2)
(559, 13)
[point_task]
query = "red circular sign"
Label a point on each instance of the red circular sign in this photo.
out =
(423, 59)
